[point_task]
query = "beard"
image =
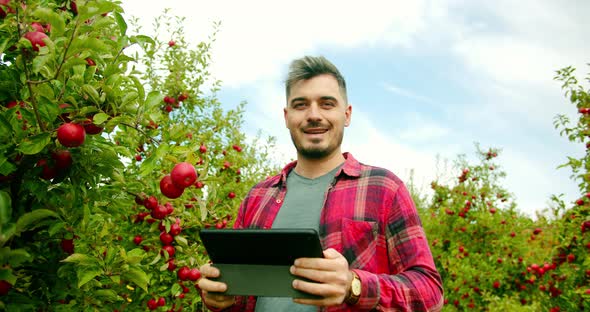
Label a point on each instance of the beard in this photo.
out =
(317, 152)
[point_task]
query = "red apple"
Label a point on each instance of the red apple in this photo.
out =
(151, 203)
(152, 304)
(161, 302)
(168, 188)
(159, 212)
(67, 245)
(71, 134)
(231, 195)
(4, 287)
(169, 249)
(183, 175)
(166, 238)
(183, 273)
(90, 62)
(63, 159)
(36, 38)
(194, 274)
(47, 172)
(90, 127)
(203, 149)
(171, 43)
(38, 27)
(171, 265)
(175, 229)
(137, 239)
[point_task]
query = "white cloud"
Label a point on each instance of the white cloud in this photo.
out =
(406, 93)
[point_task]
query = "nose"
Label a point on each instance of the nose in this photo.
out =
(314, 112)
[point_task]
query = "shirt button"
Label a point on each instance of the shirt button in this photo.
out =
(278, 201)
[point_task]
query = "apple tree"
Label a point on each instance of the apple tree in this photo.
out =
(569, 288)
(480, 242)
(115, 153)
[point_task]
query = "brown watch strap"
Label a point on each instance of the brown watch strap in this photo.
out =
(351, 297)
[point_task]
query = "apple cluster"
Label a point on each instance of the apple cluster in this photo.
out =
(171, 102)
(182, 176)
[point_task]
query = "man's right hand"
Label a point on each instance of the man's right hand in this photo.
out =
(208, 286)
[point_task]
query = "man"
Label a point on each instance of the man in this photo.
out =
(376, 254)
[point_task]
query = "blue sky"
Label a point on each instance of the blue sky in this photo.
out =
(425, 78)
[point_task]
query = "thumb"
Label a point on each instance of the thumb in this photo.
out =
(331, 253)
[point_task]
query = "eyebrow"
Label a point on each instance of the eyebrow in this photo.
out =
(323, 98)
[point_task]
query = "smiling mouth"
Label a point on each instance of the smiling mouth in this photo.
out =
(315, 130)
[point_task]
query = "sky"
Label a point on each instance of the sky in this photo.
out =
(427, 80)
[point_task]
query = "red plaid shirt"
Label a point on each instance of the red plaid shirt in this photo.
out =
(370, 218)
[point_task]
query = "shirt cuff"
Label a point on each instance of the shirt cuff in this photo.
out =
(369, 291)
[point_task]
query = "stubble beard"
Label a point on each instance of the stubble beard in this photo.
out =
(317, 152)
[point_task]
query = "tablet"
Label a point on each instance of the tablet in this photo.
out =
(256, 262)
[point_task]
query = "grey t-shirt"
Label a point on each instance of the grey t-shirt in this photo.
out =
(301, 209)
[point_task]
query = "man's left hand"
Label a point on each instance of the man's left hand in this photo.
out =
(331, 276)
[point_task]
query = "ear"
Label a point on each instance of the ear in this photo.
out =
(348, 115)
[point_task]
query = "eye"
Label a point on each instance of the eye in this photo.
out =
(328, 104)
(298, 105)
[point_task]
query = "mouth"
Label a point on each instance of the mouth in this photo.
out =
(315, 130)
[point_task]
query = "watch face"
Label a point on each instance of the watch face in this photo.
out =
(356, 287)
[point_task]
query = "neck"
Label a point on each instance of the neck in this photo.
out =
(313, 168)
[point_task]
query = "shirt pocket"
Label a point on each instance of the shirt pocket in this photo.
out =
(359, 242)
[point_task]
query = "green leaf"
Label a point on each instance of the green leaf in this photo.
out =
(5, 207)
(92, 93)
(51, 17)
(16, 257)
(181, 240)
(4, 43)
(81, 259)
(121, 22)
(100, 118)
(176, 289)
(142, 39)
(7, 232)
(136, 276)
(6, 275)
(34, 144)
(86, 274)
(153, 100)
(31, 219)
(5, 128)
(6, 167)
(107, 295)
(135, 256)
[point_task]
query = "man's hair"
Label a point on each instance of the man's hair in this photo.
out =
(308, 67)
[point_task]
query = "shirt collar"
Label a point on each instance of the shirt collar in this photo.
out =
(351, 168)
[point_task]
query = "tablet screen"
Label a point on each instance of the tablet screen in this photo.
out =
(258, 246)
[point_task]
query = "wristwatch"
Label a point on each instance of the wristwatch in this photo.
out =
(355, 290)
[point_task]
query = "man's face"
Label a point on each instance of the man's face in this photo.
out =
(316, 115)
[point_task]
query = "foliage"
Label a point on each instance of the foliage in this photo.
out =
(71, 214)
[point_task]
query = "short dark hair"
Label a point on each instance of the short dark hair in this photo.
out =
(308, 67)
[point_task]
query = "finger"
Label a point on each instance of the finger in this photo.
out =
(209, 271)
(208, 285)
(318, 302)
(320, 276)
(322, 290)
(333, 264)
(218, 300)
(331, 253)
